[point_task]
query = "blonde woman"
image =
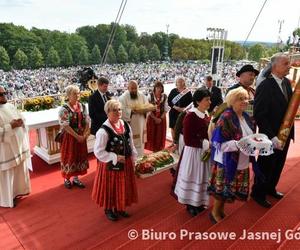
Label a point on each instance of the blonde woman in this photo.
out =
(74, 123)
(114, 185)
(229, 178)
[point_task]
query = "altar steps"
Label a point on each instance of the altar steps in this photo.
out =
(52, 217)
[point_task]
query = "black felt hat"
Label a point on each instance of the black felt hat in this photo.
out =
(247, 68)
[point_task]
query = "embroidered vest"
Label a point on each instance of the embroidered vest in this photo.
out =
(118, 143)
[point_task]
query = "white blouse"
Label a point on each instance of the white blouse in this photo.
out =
(102, 138)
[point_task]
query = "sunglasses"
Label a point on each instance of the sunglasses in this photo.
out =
(2, 93)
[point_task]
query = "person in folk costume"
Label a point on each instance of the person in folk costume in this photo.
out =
(136, 117)
(271, 103)
(193, 172)
(74, 122)
(246, 77)
(178, 99)
(156, 120)
(178, 137)
(229, 178)
(114, 185)
(14, 154)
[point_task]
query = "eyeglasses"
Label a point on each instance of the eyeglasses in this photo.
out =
(3, 93)
(116, 110)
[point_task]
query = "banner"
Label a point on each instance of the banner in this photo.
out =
(290, 115)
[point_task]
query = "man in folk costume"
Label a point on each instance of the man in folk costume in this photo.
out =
(271, 102)
(130, 100)
(247, 76)
(14, 154)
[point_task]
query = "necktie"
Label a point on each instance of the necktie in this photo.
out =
(284, 90)
(104, 98)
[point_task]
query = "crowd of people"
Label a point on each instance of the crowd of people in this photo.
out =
(123, 129)
(49, 81)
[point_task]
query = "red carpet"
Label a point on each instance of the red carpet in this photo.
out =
(52, 217)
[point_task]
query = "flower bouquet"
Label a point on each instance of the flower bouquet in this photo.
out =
(39, 103)
(84, 96)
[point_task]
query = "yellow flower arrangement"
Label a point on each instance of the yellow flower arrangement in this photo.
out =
(39, 103)
(84, 96)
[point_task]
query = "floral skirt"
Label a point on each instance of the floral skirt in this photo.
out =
(74, 157)
(228, 192)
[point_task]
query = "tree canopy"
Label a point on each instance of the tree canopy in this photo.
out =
(34, 48)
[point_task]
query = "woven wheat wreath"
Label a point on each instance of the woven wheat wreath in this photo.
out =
(256, 144)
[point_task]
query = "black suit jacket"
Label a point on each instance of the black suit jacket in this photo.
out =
(270, 106)
(216, 98)
(96, 111)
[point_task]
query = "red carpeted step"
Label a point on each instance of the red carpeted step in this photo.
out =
(71, 217)
(244, 217)
(292, 240)
(284, 216)
(164, 208)
(8, 240)
(201, 223)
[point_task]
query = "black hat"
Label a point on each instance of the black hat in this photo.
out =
(247, 68)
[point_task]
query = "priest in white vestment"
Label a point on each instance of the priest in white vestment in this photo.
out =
(137, 119)
(14, 154)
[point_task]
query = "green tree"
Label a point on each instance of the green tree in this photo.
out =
(89, 33)
(131, 33)
(14, 37)
(84, 55)
(111, 56)
(66, 57)
(96, 55)
(143, 53)
(36, 58)
(76, 42)
(256, 52)
(53, 59)
(133, 53)
(122, 56)
(4, 59)
(20, 60)
(120, 37)
(146, 40)
(154, 53)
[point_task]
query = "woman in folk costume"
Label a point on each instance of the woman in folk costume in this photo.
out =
(114, 185)
(229, 178)
(193, 173)
(74, 123)
(156, 120)
(178, 99)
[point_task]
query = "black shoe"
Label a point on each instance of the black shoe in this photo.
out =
(192, 210)
(212, 218)
(123, 214)
(200, 209)
(78, 183)
(68, 184)
(276, 195)
(261, 201)
(111, 215)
